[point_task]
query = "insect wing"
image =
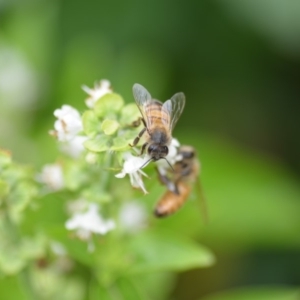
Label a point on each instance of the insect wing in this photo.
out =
(174, 108)
(201, 200)
(142, 98)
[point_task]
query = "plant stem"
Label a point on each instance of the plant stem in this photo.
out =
(106, 174)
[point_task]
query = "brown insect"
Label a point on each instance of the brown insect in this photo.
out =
(179, 184)
(159, 120)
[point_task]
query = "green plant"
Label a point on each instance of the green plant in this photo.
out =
(77, 228)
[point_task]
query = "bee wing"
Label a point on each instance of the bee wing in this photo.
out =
(174, 108)
(142, 98)
(202, 200)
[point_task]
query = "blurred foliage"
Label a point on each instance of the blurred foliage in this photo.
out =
(238, 64)
(264, 293)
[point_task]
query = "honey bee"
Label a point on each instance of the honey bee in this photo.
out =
(186, 172)
(159, 120)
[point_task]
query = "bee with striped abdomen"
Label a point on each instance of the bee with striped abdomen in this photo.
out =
(159, 120)
(179, 183)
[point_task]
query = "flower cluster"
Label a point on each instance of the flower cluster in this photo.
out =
(90, 200)
(52, 177)
(67, 128)
(102, 88)
(101, 135)
(85, 223)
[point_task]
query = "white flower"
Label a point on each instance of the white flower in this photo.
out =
(74, 147)
(133, 216)
(100, 89)
(68, 123)
(132, 166)
(89, 222)
(172, 157)
(52, 176)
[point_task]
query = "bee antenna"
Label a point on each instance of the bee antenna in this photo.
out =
(146, 163)
(169, 164)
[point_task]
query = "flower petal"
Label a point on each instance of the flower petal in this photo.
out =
(90, 221)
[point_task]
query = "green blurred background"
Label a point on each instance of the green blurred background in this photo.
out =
(237, 61)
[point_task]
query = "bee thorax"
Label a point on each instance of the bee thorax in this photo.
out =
(160, 137)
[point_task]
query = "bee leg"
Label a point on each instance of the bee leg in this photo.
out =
(163, 179)
(136, 140)
(144, 122)
(175, 189)
(171, 186)
(137, 123)
(143, 148)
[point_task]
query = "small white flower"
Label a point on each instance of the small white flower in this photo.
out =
(89, 222)
(173, 148)
(133, 216)
(132, 167)
(52, 176)
(172, 157)
(100, 89)
(68, 123)
(74, 147)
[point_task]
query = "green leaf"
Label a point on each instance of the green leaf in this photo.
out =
(75, 175)
(11, 261)
(129, 290)
(129, 114)
(156, 285)
(90, 123)
(109, 127)
(260, 293)
(165, 251)
(96, 292)
(15, 173)
(33, 247)
(78, 250)
(21, 196)
(108, 105)
(98, 144)
(10, 288)
(48, 283)
(130, 135)
(120, 144)
(48, 217)
(94, 193)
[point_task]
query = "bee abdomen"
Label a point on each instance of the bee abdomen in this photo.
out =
(156, 114)
(171, 202)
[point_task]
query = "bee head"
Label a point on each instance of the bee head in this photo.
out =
(157, 151)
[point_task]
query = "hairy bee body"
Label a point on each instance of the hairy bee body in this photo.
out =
(179, 184)
(170, 202)
(157, 115)
(159, 120)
